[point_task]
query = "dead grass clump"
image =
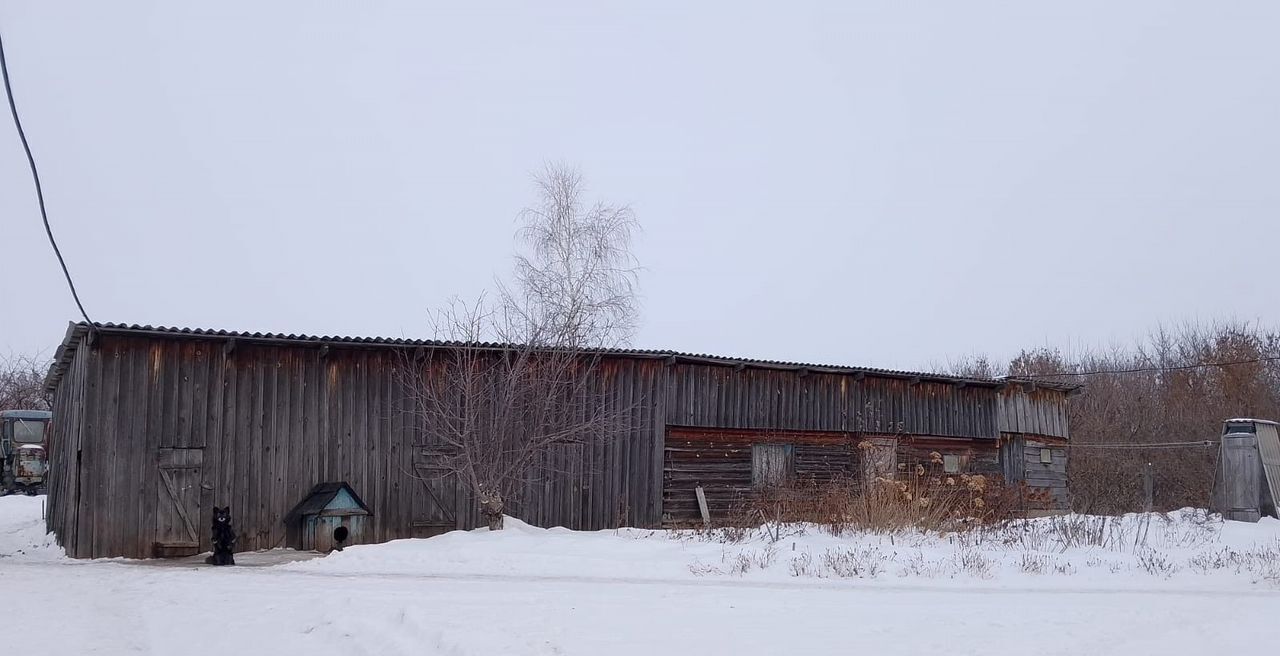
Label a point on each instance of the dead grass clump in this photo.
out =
(919, 566)
(1156, 563)
(1260, 563)
(867, 562)
(1033, 563)
(920, 500)
(729, 534)
(975, 563)
(917, 496)
(802, 565)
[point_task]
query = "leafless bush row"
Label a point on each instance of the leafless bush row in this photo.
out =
(1172, 399)
(22, 383)
(924, 498)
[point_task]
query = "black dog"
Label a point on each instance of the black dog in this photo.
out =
(224, 539)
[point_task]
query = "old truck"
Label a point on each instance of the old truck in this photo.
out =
(24, 459)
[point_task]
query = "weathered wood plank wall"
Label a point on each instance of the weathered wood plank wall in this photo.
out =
(722, 462)
(273, 418)
(1046, 481)
(719, 396)
(274, 421)
(1038, 412)
(65, 441)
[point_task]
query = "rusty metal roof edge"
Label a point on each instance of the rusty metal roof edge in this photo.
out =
(77, 330)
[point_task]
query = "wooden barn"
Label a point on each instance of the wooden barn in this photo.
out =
(154, 426)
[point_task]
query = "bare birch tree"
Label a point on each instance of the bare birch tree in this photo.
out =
(495, 411)
(575, 279)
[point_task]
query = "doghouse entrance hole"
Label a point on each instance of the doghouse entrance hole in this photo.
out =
(340, 534)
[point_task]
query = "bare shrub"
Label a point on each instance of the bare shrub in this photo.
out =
(921, 500)
(1078, 531)
(765, 557)
(918, 565)
(1033, 563)
(702, 569)
(1155, 563)
(1158, 393)
(802, 565)
(22, 383)
(1260, 562)
(732, 534)
(975, 563)
(1268, 572)
(1186, 528)
(1120, 534)
(779, 512)
(1210, 561)
(736, 563)
(866, 562)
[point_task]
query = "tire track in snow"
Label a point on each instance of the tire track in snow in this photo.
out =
(867, 585)
(861, 585)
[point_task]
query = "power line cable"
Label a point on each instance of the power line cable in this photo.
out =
(1151, 445)
(1139, 370)
(35, 175)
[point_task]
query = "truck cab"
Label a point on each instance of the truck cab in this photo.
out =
(24, 459)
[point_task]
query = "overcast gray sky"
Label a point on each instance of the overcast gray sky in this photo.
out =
(877, 183)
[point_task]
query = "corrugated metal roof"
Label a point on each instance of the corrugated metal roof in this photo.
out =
(77, 330)
(1269, 450)
(25, 414)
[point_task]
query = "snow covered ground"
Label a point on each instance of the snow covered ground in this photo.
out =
(1176, 584)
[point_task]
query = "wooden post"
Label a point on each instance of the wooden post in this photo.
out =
(702, 506)
(1148, 488)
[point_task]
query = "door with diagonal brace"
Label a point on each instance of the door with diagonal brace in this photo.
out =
(435, 493)
(178, 502)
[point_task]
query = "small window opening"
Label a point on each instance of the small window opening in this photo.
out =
(951, 463)
(771, 465)
(1046, 456)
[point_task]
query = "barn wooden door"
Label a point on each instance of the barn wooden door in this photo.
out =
(178, 502)
(435, 495)
(1013, 458)
(1241, 482)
